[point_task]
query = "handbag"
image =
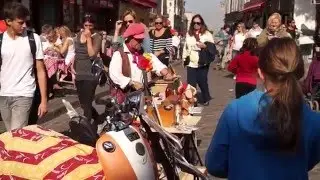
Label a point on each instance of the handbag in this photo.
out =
(187, 61)
(98, 71)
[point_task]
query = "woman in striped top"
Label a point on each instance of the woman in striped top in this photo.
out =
(161, 41)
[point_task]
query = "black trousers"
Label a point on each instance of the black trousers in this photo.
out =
(50, 83)
(243, 89)
(164, 59)
(86, 92)
(199, 76)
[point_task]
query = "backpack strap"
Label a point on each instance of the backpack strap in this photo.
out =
(32, 44)
(126, 68)
(33, 48)
(1, 38)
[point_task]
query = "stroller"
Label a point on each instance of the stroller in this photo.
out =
(312, 85)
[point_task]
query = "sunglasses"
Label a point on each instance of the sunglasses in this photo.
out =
(88, 25)
(158, 23)
(128, 22)
(197, 23)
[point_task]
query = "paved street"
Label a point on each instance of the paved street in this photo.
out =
(221, 86)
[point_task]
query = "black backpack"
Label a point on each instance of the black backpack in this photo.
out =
(32, 44)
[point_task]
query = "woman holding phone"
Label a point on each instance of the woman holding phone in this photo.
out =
(198, 38)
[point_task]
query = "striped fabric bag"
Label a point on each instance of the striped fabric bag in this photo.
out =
(37, 153)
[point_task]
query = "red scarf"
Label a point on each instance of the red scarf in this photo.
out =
(135, 54)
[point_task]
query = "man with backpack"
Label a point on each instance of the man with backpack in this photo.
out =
(21, 62)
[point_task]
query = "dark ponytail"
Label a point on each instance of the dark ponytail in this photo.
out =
(282, 65)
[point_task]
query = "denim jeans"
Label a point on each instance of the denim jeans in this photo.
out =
(199, 76)
(15, 111)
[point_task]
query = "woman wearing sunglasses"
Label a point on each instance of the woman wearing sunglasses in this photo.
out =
(129, 17)
(198, 40)
(161, 41)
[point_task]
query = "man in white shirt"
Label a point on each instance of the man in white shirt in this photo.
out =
(255, 31)
(18, 70)
(133, 36)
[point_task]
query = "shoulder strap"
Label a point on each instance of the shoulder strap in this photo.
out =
(126, 69)
(32, 44)
(33, 47)
(1, 38)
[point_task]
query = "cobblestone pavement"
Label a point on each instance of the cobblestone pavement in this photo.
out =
(221, 87)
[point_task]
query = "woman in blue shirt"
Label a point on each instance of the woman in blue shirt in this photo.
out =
(271, 135)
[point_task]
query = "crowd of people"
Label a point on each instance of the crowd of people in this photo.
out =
(229, 40)
(238, 50)
(268, 134)
(66, 57)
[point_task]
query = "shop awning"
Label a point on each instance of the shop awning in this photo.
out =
(253, 5)
(146, 3)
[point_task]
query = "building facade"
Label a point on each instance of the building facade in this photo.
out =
(189, 16)
(70, 12)
(257, 10)
(233, 10)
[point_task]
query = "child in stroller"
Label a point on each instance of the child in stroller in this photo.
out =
(311, 85)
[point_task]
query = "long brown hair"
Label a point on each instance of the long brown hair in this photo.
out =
(126, 13)
(129, 12)
(282, 65)
(203, 29)
(249, 44)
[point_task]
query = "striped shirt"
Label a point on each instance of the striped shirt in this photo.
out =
(164, 42)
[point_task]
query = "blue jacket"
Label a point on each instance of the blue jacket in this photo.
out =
(242, 150)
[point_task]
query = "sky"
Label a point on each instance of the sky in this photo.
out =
(210, 10)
